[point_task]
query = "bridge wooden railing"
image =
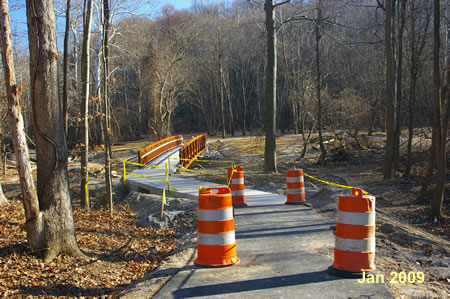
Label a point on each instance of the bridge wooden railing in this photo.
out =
(192, 149)
(152, 151)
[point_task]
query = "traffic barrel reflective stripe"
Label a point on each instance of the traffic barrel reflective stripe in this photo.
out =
(354, 251)
(216, 243)
(236, 177)
(295, 187)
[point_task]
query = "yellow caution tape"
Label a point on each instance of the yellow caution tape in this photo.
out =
(148, 177)
(168, 166)
(197, 171)
(333, 184)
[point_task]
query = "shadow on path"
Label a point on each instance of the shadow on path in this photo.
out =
(253, 284)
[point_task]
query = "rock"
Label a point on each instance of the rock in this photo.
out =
(114, 174)
(324, 199)
(387, 228)
(225, 151)
(155, 221)
(211, 155)
(179, 213)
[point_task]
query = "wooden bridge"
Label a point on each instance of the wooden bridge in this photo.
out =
(188, 152)
(158, 159)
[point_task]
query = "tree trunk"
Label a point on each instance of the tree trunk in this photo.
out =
(53, 231)
(397, 133)
(230, 104)
(66, 69)
(306, 139)
(412, 104)
(3, 200)
(3, 156)
(417, 44)
(270, 159)
(85, 62)
(16, 123)
(222, 104)
(323, 150)
(390, 113)
(107, 124)
(440, 115)
(125, 97)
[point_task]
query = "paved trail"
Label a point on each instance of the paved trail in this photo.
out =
(280, 247)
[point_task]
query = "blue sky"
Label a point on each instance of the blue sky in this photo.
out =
(181, 4)
(19, 22)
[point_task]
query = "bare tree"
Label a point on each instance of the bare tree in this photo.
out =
(270, 124)
(52, 230)
(66, 68)
(389, 100)
(417, 38)
(441, 97)
(401, 7)
(106, 106)
(85, 62)
(318, 33)
(29, 195)
(175, 40)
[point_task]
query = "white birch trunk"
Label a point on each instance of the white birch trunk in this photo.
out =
(16, 123)
(3, 200)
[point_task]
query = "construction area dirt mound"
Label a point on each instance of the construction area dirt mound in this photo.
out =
(324, 199)
(177, 213)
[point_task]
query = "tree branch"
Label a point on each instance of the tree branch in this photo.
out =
(281, 3)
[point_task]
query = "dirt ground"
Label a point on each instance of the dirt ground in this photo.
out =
(407, 239)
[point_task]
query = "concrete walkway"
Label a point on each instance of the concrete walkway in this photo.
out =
(284, 252)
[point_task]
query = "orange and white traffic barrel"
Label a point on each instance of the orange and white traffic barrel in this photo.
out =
(236, 179)
(295, 187)
(216, 244)
(354, 251)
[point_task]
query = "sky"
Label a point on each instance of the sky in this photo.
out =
(19, 22)
(181, 4)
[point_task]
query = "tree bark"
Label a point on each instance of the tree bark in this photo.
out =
(3, 155)
(390, 113)
(3, 200)
(399, 96)
(323, 150)
(270, 158)
(66, 69)
(221, 91)
(440, 115)
(85, 62)
(107, 125)
(53, 231)
(16, 123)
